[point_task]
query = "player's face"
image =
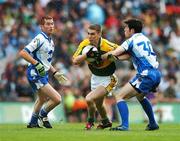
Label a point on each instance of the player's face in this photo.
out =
(48, 26)
(93, 36)
(128, 32)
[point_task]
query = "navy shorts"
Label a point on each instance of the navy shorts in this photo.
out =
(146, 83)
(35, 80)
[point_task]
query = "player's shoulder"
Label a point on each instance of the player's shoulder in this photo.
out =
(42, 36)
(106, 42)
(39, 37)
(38, 40)
(139, 37)
(85, 42)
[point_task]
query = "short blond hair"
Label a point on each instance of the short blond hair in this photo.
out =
(96, 27)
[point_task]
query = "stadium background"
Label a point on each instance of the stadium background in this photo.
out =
(19, 24)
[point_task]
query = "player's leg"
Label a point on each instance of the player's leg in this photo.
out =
(105, 86)
(53, 95)
(100, 86)
(90, 101)
(36, 84)
(126, 92)
(96, 96)
(54, 100)
(100, 107)
(91, 112)
(145, 103)
(109, 84)
(105, 123)
(41, 99)
(148, 84)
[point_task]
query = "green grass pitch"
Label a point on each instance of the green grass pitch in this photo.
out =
(75, 132)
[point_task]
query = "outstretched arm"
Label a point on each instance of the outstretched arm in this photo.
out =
(124, 56)
(117, 54)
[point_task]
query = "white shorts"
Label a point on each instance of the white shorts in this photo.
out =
(109, 82)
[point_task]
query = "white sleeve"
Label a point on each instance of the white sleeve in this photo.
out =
(126, 44)
(34, 44)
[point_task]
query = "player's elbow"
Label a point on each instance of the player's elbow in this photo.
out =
(21, 53)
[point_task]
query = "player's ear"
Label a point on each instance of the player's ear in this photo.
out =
(41, 26)
(100, 34)
(132, 30)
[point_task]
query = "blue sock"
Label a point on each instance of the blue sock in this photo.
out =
(148, 110)
(43, 112)
(34, 119)
(124, 113)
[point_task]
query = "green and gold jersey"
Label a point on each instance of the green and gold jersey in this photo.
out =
(106, 67)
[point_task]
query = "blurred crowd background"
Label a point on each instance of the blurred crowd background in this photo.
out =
(19, 24)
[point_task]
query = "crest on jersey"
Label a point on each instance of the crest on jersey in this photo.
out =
(36, 42)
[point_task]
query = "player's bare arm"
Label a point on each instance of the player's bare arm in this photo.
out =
(79, 59)
(52, 69)
(61, 78)
(118, 53)
(27, 57)
(124, 56)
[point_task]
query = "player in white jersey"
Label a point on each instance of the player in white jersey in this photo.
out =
(138, 46)
(39, 55)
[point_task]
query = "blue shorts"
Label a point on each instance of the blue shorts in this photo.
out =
(35, 80)
(146, 83)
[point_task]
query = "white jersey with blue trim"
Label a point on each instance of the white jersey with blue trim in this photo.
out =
(141, 51)
(41, 48)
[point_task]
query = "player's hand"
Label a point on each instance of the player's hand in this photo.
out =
(61, 78)
(112, 58)
(40, 69)
(98, 60)
(92, 55)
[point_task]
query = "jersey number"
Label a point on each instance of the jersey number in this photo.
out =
(147, 47)
(50, 53)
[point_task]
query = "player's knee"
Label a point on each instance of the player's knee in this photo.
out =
(88, 99)
(140, 97)
(125, 98)
(120, 97)
(58, 100)
(99, 106)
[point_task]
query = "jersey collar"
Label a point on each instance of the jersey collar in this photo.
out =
(45, 36)
(99, 43)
